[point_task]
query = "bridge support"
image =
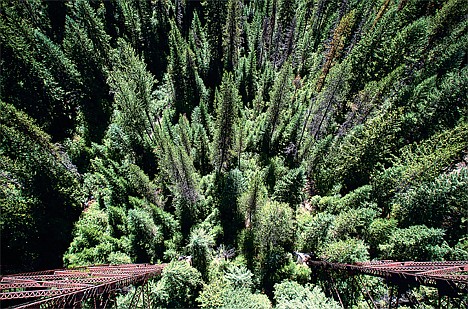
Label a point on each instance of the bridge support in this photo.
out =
(450, 278)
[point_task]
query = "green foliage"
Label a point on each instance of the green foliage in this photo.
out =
(293, 271)
(379, 232)
(289, 188)
(239, 277)
(335, 128)
(438, 204)
(231, 288)
(313, 230)
(290, 294)
(243, 298)
(213, 294)
(416, 243)
(352, 223)
(232, 32)
(252, 199)
(230, 187)
(345, 251)
(179, 286)
(93, 242)
(145, 236)
(133, 85)
(39, 195)
(280, 96)
(419, 163)
(275, 228)
(227, 103)
(200, 246)
(221, 295)
(274, 238)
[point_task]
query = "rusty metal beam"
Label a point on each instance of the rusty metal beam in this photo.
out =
(449, 277)
(69, 287)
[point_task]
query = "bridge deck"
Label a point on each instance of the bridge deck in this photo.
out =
(449, 277)
(69, 287)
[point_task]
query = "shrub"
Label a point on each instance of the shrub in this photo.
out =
(345, 251)
(416, 243)
(292, 295)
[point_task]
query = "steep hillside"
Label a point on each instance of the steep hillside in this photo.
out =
(236, 132)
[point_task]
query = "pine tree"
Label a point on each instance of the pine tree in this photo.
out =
(215, 16)
(43, 81)
(252, 199)
(83, 13)
(200, 246)
(133, 88)
(39, 194)
(198, 42)
(340, 34)
(96, 101)
(177, 165)
(284, 32)
(186, 84)
(248, 76)
(201, 128)
(227, 103)
(280, 96)
(232, 32)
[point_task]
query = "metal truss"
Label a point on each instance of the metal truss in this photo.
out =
(449, 277)
(68, 288)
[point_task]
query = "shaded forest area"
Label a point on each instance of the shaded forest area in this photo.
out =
(236, 132)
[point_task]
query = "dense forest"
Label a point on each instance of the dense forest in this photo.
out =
(235, 132)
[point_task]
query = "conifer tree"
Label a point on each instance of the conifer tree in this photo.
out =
(181, 175)
(252, 199)
(43, 81)
(185, 135)
(186, 84)
(280, 96)
(198, 42)
(247, 73)
(96, 101)
(132, 22)
(133, 88)
(227, 103)
(284, 32)
(39, 194)
(200, 246)
(201, 128)
(215, 16)
(88, 19)
(232, 32)
(340, 34)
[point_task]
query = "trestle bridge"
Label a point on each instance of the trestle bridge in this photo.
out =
(98, 286)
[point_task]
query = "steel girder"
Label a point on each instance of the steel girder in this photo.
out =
(449, 277)
(69, 287)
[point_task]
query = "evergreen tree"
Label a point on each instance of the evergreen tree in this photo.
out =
(183, 75)
(198, 42)
(178, 167)
(215, 16)
(232, 35)
(227, 103)
(199, 246)
(39, 196)
(133, 88)
(279, 98)
(96, 101)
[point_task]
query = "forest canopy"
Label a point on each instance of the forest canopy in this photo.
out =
(236, 132)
